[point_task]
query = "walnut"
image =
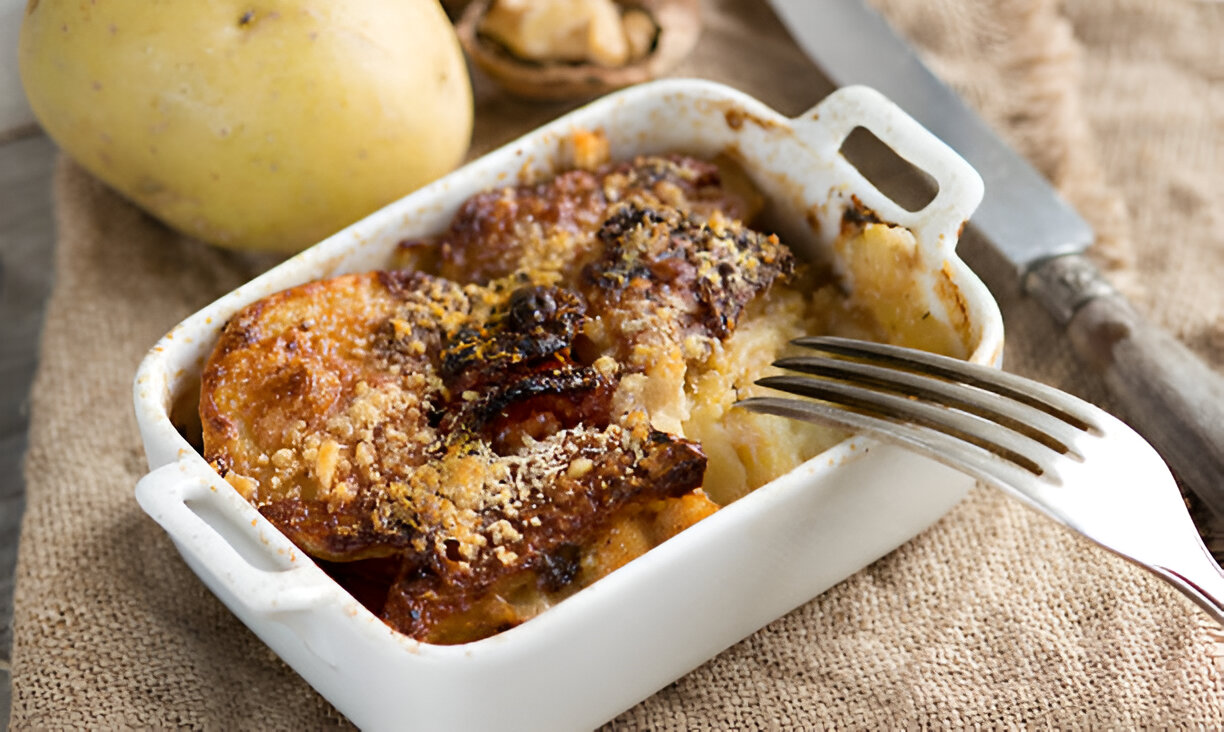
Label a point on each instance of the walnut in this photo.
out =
(560, 49)
(566, 31)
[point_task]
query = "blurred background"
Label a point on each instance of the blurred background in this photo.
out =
(26, 244)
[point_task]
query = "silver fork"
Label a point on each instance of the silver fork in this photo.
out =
(1053, 451)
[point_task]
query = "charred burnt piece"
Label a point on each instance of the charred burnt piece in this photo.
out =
(513, 375)
(535, 323)
(857, 215)
(560, 567)
(718, 269)
(537, 406)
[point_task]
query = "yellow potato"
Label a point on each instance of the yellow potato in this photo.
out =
(265, 124)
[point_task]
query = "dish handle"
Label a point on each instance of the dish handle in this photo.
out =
(827, 125)
(211, 523)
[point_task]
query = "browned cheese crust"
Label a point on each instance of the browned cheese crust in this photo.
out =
(470, 444)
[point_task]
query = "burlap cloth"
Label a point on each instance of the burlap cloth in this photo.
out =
(993, 617)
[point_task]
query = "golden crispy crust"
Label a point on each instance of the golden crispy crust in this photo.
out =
(477, 434)
(550, 227)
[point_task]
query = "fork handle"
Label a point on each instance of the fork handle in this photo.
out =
(1167, 393)
(1206, 591)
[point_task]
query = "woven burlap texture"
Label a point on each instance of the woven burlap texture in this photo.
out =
(994, 617)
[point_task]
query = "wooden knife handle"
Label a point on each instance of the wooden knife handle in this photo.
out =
(1168, 394)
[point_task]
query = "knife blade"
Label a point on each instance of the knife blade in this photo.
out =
(1166, 392)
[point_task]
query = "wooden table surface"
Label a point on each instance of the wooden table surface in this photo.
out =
(26, 243)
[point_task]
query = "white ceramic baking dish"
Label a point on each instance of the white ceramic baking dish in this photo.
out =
(618, 641)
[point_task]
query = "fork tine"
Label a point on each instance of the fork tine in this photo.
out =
(1039, 396)
(1034, 423)
(980, 462)
(1017, 449)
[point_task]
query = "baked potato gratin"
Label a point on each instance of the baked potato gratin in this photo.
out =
(534, 397)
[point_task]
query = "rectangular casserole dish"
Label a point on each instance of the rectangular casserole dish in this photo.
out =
(632, 632)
